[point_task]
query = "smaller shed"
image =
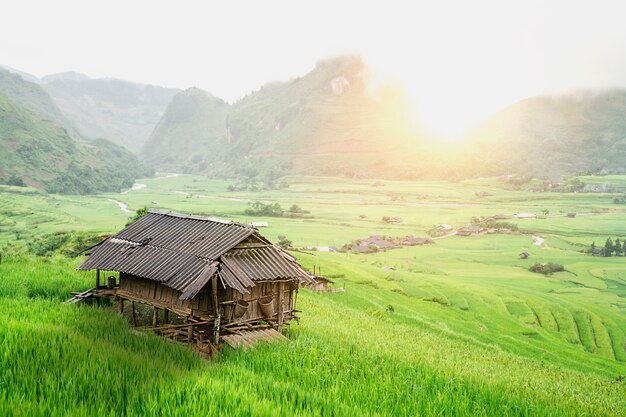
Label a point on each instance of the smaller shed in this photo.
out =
(470, 231)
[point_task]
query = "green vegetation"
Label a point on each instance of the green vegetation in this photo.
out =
(37, 152)
(546, 268)
(459, 327)
(556, 135)
(257, 208)
(32, 97)
(191, 135)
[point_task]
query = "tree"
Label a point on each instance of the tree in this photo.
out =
(608, 247)
(139, 214)
(618, 247)
(296, 209)
(16, 180)
(284, 243)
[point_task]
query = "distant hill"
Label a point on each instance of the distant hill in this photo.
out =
(190, 134)
(26, 76)
(121, 111)
(327, 122)
(553, 135)
(39, 153)
(33, 97)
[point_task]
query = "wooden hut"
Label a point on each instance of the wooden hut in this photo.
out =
(221, 279)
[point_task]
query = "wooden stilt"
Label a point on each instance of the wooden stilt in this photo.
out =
(155, 316)
(216, 331)
(281, 295)
(97, 279)
(134, 315)
(190, 334)
(120, 305)
(216, 312)
(214, 291)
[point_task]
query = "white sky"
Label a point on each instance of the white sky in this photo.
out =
(460, 61)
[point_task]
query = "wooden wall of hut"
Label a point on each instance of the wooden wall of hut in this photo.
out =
(273, 289)
(151, 292)
(166, 297)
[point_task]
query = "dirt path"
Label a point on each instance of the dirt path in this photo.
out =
(121, 205)
(136, 186)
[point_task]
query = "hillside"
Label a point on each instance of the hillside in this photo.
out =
(460, 325)
(39, 153)
(332, 121)
(552, 135)
(190, 133)
(329, 122)
(33, 97)
(121, 111)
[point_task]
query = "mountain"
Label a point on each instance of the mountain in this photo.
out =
(32, 97)
(554, 135)
(25, 76)
(328, 122)
(38, 152)
(121, 111)
(190, 133)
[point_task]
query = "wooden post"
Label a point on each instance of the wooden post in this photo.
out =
(120, 305)
(294, 301)
(134, 316)
(97, 279)
(190, 334)
(216, 330)
(214, 291)
(281, 295)
(155, 316)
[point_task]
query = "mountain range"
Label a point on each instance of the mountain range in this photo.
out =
(331, 121)
(40, 147)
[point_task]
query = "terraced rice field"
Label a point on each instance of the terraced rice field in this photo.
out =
(459, 327)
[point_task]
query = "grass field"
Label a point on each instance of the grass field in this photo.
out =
(460, 327)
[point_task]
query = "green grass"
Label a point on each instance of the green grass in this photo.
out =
(472, 331)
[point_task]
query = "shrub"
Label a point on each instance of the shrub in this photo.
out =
(546, 268)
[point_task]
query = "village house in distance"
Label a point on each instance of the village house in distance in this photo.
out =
(221, 280)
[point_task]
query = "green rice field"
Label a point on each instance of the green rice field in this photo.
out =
(458, 327)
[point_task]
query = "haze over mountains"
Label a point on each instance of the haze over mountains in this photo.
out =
(331, 121)
(40, 147)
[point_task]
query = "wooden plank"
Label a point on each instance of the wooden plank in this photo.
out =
(180, 326)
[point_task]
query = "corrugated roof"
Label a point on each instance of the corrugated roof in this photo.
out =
(184, 251)
(262, 264)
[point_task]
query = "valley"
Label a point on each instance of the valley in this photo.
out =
(460, 324)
